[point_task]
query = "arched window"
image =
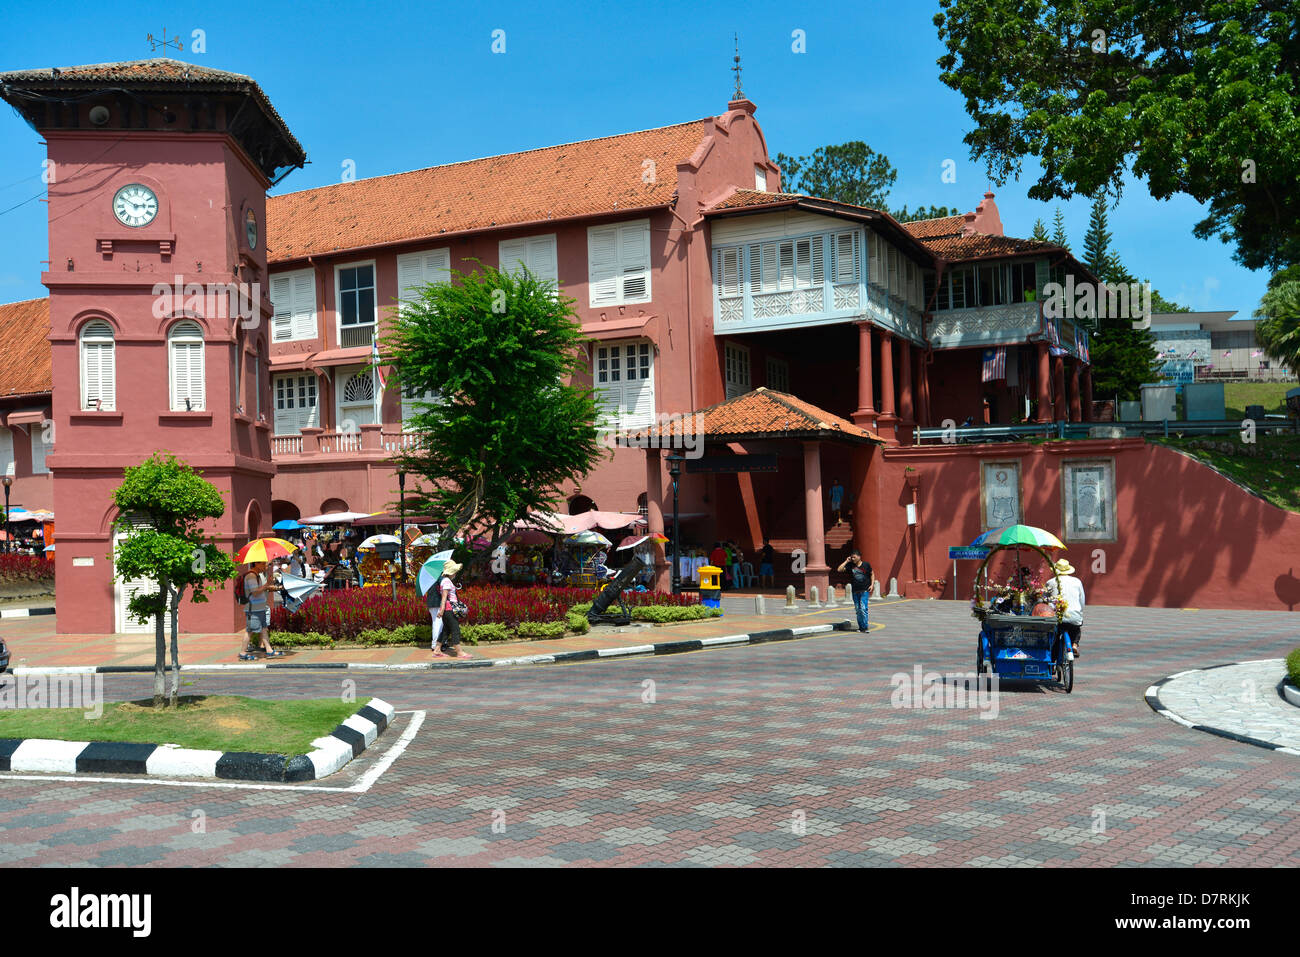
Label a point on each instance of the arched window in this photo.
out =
(185, 364)
(98, 367)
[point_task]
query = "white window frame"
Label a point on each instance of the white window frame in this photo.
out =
(295, 389)
(778, 374)
(433, 265)
(509, 266)
(8, 460)
(37, 435)
(341, 376)
(184, 334)
(111, 339)
(338, 297)
(760, 178)
(608, 285)
(297, 313)
(617, 394)
(736, 359)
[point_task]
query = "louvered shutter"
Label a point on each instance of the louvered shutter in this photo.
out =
(876, 273)
(38, 450)
(286, 416)
(97, 366)
(729, 272)
(513, 255)
(410, 276)
(603, 265)
(282, 300)
(307, 404)
(634, 248)
(638, 387)
(304, 305)
(7, 465)
(541, 259)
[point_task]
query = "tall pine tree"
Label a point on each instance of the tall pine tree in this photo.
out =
(1096, 242)
(1040, 231)
(1058, 229)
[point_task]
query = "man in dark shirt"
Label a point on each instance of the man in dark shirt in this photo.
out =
(862, 579)
(765, 569)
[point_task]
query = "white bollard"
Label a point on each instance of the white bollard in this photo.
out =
(814, 597)
(893, 589)
(789, 600)
(831, 601)
(875, 589)
(759, 607)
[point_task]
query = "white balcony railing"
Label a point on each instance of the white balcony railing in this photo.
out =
(286, 444)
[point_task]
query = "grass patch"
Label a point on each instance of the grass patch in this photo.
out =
(204, 722)
(1270, 467)
(1271, 395)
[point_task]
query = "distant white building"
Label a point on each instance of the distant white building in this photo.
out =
(1211, 345)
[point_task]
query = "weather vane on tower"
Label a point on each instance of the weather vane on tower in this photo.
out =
(736, 69)
(155, 43)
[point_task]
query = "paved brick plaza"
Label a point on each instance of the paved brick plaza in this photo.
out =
(740, 750)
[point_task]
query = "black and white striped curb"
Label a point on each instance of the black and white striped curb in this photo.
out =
(330, 753)
(1152, 698)
(24, 612)
(661, 648)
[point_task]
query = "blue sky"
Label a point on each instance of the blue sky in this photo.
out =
(402, 85)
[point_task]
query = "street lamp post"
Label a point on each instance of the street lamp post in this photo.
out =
(401, 529)
(9, 535)
(674, 471)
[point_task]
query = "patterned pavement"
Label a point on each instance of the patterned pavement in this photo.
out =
(780, 754)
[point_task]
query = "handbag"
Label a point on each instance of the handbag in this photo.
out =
(457, 607)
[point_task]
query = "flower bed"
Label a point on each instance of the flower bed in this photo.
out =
(26, 569)
(345, 614)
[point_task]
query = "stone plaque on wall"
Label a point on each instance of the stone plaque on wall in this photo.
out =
(999, 494)
(1088, 500)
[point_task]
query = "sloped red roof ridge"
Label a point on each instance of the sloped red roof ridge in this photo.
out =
(759, 414)
(589, 177)
(940, 226)
(25, 360)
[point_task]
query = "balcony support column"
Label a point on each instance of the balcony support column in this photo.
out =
(816, 572)
(865, 415)
(1088, 414)
(1060, 404)
(1044, 413)
(905, 407)
(1076, 411)
(888, 417)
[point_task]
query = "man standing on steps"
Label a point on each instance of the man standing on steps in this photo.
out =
(837, 499)
(862, 578)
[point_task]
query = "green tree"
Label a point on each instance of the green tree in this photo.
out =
(172, 501)
(1058, 229)
(1278, 323)
(851, 173)
(922, 212)
(1096, 242)
(507, 428)
(1193, 98)
(1040, 231)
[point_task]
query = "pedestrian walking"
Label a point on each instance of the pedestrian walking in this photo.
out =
(257, 612)
(447, 614)
(862, 578)
(737, 559)
(766, 570)
(837, 499)
(1071, 589)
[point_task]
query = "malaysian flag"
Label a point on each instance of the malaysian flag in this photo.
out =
(995, 364)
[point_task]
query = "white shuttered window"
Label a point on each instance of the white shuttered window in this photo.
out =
(39, 449)
(618, 263)
(295, 403)
(98, 367)
(536, 253)
(185, 364)
(624, 384)
(293, 295)
(7, 462)
(416, 270)
(737, 368)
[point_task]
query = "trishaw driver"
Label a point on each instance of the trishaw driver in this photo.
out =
(1071, 589)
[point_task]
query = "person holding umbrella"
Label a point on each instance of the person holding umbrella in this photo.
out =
(256, 590)
(442, 604)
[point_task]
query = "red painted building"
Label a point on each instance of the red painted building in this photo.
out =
(698, 282)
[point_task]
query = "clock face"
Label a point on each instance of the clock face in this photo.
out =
(250, 228)
(135, 205)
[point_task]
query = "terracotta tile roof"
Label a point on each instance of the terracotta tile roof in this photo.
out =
(764, 414)
(742, 198)
(982, 246)
(25, 359)
(158, 73)
(942, 226)
(587, 178)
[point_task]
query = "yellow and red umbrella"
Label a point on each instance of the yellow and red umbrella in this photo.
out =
(264, 550)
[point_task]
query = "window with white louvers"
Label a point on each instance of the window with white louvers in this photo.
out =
(624, 384)
(726, 275)
(737, 368)
(185, 355)
(845, 253)
(295, 403)
(875, 246)
(618, 263)
(98, 367)
(778, 375)
(536, 253)
(760, 179)
(39, 450)
(416, 270)
(785, 264)
(293, 296)
(7, 464)
(416, 400)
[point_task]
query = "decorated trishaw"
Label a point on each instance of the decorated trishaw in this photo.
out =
(1020, 636)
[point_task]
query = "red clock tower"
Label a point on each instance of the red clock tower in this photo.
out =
(159, 320)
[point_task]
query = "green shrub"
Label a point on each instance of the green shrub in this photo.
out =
(662, 613)
(290, 640)
(1293, 666)
(412, 635)
(581, 609)
(540, 630)
(473, 634)
(375, 636)
(577, 623)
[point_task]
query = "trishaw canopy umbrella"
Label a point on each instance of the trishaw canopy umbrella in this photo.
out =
(1019, 535)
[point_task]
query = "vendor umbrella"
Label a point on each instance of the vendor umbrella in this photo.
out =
(1019, 535)
(589, 537)
(374, 540)
(431, 571)
(286, 525)
(632, 541)
(264, 550)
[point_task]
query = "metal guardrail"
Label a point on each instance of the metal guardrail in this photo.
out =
(983, 435)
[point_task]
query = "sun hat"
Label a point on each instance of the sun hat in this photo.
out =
(1063, 567)
(451, 568)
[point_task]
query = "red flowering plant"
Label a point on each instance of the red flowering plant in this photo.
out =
(26, 569)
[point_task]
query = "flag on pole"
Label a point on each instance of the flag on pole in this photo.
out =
(995, 364)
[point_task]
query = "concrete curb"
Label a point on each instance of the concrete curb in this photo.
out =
(661, 648)
(1152, 698)
(24, 612)
(1289, 692)
(330, 753)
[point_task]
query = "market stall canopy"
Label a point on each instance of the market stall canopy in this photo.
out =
(530, 536)
(286, 525)
(335, 518)
(572, 524)
(391, 518)
(632, 541)
(588, 537)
